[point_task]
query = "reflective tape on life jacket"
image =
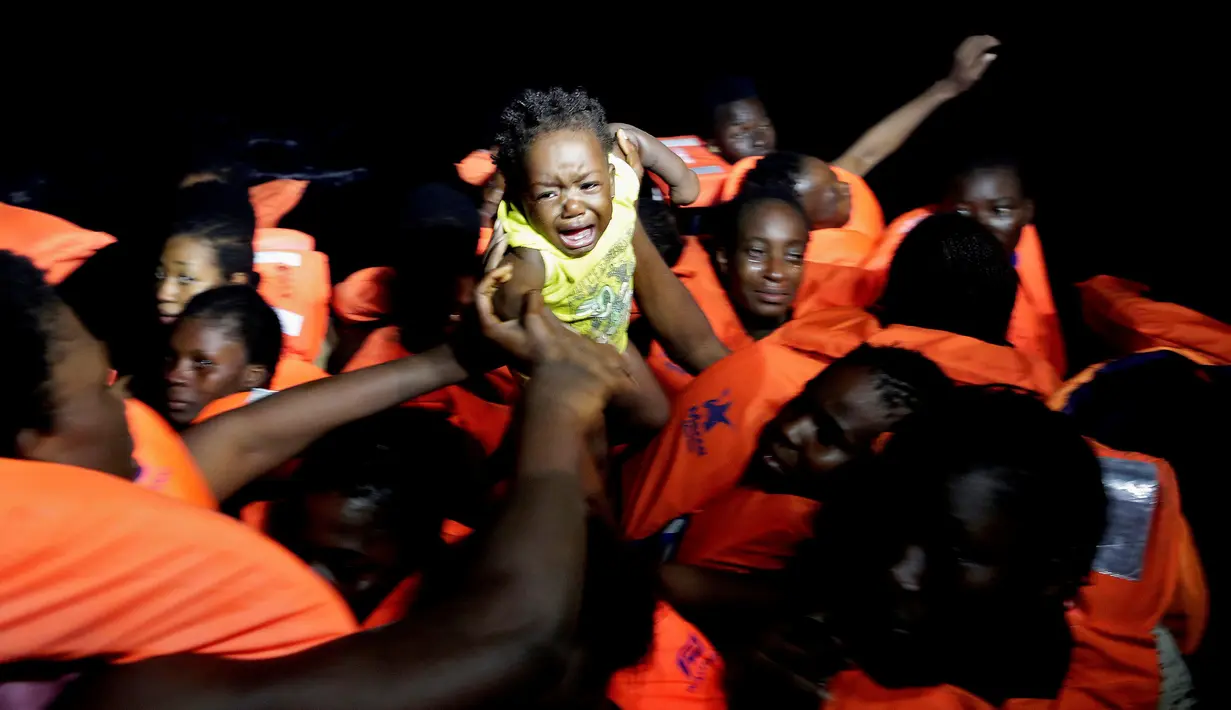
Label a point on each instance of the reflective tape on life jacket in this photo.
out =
(710, 168)
(295, 282)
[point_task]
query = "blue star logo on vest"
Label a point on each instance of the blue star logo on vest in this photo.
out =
(702, 418)
(694, 660)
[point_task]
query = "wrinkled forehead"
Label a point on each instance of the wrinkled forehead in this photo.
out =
(566, 152)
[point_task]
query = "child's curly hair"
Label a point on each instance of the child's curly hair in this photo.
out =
(535, 113)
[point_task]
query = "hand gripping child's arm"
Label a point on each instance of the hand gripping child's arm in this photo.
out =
(658, 159)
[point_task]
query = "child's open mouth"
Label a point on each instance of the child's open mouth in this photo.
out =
(578, 238)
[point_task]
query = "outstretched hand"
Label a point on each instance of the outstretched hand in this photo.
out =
(972, 59)
(576, 372)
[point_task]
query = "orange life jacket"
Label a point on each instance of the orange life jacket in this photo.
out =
(295, 282)
(823, 286)
(694, 465)
(1034, 326)
(711, 169)
(682, 671)
(272, 200)
(1085, 688)
(477, 168)
(867, 217)
(486, 421)
(94, 567)
(1169, 587)
(1128, 320)
(696, 462)
(56, 246)
(164, 463)
(363, 297)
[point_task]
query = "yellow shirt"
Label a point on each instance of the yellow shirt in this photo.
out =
(592, 293)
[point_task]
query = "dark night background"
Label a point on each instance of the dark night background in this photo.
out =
(1108, 126)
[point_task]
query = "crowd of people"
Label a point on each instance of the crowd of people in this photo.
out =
(623, 421)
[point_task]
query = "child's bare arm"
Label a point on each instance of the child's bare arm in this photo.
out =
(682, 327)
(658, 159)
(645, 405)
(528, 275)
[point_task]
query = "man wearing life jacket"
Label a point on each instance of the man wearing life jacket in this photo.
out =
(74, 418)
(741, 127)
(943, 573)
(950, 297)
(366, 507)
(991, 191)
(1163, 409)
(739, 131)
(66, 458)
(506, 629)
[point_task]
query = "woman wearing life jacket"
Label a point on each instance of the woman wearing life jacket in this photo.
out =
(992, 191)
(941, 576)
(746, 279)
(227, 344)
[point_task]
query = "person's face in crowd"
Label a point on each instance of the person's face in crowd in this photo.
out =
(834, 422)
(764, 273)
(742, 129)
(346, 541)
(569, 189)
(825, 198)
(89, 428)
(926, 580)
(995, 199)
(207, 361)
(189, 266)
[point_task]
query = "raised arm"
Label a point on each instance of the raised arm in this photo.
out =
(682, 327)
(237, 447)
(660, 160)
(503, 634)
(969, 62)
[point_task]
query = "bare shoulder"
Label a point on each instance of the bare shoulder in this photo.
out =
(529, 273)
